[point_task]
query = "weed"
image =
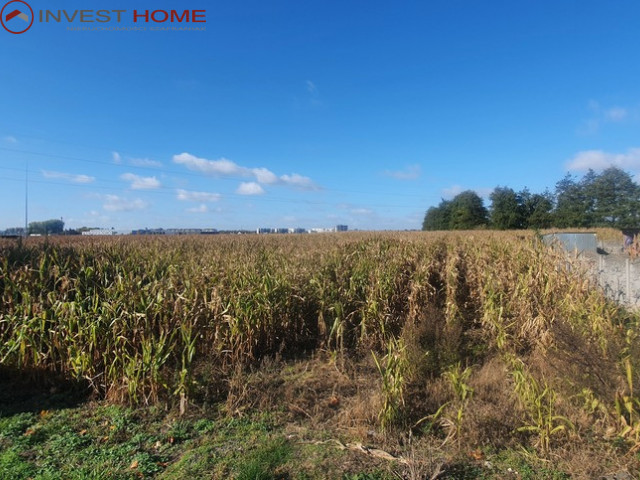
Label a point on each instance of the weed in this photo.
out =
(393, 369)
(457, 379)
(538, 402)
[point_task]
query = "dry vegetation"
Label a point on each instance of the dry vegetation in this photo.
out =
(424, 344)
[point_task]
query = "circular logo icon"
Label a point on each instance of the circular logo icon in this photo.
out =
(16, 16)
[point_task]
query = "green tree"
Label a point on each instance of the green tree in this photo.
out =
(467, 211)
(573, 207)
(438, 218)
(506, 209)
(614, 199)
(536, 208)
(48, 227)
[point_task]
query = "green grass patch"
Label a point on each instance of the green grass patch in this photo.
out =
(264, 463)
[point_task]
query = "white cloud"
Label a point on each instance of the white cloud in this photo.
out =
(314, 94)
(311, 87)
(264, 175)
(353, 209)
(449, 193)
(599, 159)
(600, 116)
(219, 167)
(249, 188)
(225, 167)
(10, 139)
(188, 196)
(361, 211)
(202, 208)
(68, 176)
(94, 218)
(141, 183)
(298, 181)
(616, 114)
(411, 172)
(113, 203)
(135, 162)
(144, 162)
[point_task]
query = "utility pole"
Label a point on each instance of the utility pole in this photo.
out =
(26, 198)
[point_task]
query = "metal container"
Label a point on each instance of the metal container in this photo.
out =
(582, 242)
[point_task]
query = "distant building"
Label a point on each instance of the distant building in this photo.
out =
(183, 231)
(236, 232)
(148, 231)
(98, 231)
(265, 230)
(342, 228)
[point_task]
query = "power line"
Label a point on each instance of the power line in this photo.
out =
(163, 190)
(181, 172)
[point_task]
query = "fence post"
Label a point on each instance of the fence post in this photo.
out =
(628, 265)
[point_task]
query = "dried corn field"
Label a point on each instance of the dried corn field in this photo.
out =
(476, 339)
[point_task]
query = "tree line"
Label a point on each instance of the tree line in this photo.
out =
(607, 199)
(53, 227)
(47, 227)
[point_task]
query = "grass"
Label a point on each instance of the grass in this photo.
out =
(164, 358)
(118, 442)
(105, 441)
(264, 462)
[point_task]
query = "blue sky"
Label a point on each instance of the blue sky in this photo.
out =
(310, 114)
